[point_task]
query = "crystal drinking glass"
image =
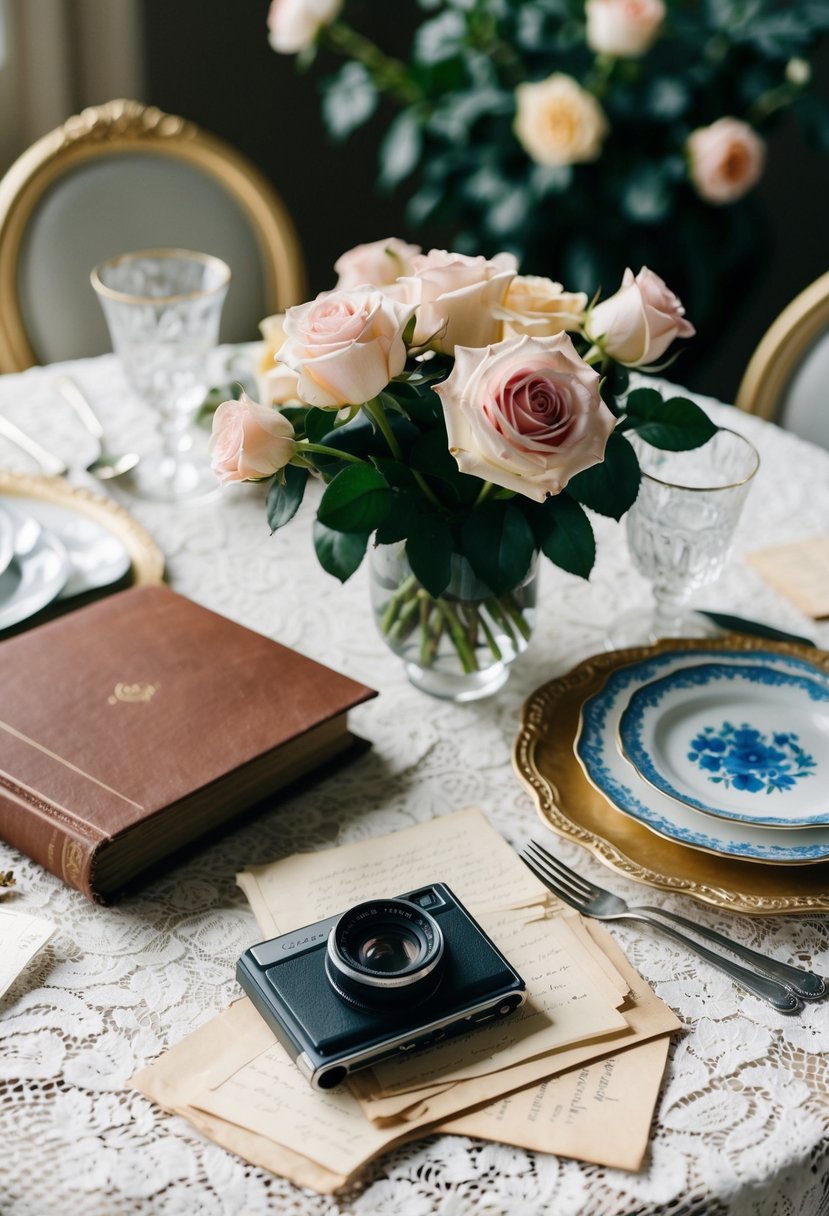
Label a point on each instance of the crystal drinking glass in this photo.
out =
(163, 308)
(680, 528)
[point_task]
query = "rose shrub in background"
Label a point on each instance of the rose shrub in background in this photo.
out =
(585, 136)
(461, 411)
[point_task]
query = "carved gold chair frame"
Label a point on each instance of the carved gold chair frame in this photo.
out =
(781, 350)
(124, 126)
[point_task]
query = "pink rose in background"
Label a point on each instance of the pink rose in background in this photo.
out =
(294, 24)
(525, 414)
(377, 264)
(624, 28)
(638, 324)
(539, 307)
(454, 296)
(249, 441)
(726, 160)
(345, 346)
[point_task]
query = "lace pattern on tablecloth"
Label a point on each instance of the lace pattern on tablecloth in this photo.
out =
(743, 1117)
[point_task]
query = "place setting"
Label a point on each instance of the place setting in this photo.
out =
(687, 760)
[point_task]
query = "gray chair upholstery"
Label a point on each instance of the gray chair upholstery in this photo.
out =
(787, 377)
(123, 176)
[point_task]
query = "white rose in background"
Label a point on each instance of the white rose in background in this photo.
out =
(345, 346)
(539, 307)
(525, 414)
(623, 28)
(725, 160)
(638, 324)
(455, 295)
(378, 263)
(249, 441)
(558, 122)
(294, 24)
(276, 384)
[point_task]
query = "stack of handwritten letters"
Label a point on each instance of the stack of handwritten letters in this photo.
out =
(576, 1071)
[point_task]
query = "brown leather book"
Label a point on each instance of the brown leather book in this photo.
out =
(133, 726)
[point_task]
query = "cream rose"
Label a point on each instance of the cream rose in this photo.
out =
(345, 346)
(638, 324)
(455, 295)
(276, 384)
(539, 307)
(726, 160)
(558, 122)
(377, 264)
(624, 28)
(525, 414)
(294, 24)
(249, 441)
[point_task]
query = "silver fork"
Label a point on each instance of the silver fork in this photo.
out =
(782, 985)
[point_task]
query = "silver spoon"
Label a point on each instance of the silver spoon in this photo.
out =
(106, 465)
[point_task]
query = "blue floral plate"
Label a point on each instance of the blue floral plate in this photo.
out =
(624, 788)
(744, 743)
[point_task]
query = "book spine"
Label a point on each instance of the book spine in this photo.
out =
(47, 836)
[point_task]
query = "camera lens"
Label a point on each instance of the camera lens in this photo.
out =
(384, 953)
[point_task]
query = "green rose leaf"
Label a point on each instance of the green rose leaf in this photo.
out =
(565, 535)
(402, 520)
(499, 544)
(339, 553)
(357, 500)
(318, 424)
(675, 425)
(400, 149)
(610, 487)
(429, 551)
(284, 496)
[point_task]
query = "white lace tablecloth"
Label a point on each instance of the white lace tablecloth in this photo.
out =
(742, 1121)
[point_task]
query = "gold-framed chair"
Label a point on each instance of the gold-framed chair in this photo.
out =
(787, 376)
(125, 176)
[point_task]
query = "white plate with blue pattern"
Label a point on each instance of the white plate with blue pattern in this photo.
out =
(625, 789)
(744, 743)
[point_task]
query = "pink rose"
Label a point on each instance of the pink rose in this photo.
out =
(624, 28)
(249, 441)
(726, 160)
(638, 324)
(525, 414)
(377, 264)
(455, 295)
(294, 24)
(345, 346)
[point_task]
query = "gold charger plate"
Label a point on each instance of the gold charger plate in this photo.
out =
(545, 761)
(147, 560)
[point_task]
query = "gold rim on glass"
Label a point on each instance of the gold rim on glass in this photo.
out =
(127, 297)
(729, 485)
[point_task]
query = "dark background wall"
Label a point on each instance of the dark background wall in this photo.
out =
(209, 60)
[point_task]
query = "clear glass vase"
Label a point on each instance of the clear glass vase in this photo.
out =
(460, 645)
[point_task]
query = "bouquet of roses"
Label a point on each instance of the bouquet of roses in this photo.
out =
(463, 415)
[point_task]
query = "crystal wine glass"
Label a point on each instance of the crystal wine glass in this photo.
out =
(163, 308)
(680, 528)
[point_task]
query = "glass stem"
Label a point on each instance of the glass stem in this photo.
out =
(667, 614)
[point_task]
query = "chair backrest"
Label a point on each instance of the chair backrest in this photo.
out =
(120, 177)
(788, 374)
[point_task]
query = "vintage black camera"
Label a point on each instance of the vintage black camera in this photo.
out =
(385, 978)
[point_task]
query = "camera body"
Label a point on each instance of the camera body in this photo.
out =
(386, 978)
